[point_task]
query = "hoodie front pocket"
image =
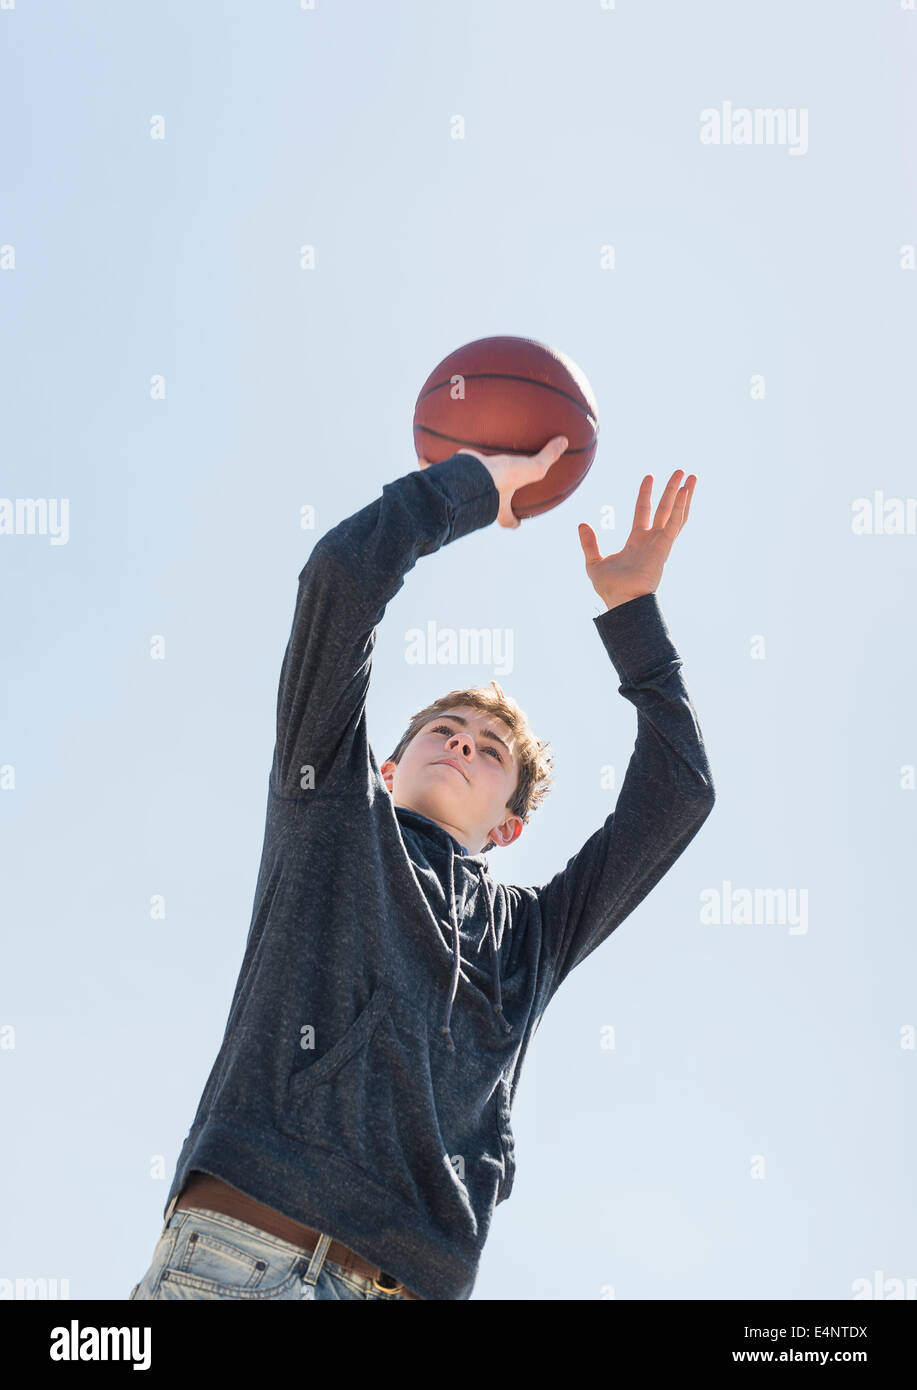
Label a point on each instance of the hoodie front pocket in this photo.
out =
(303, 1082)
(368, 1103)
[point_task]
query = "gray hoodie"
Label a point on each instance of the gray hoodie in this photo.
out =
(390, 987)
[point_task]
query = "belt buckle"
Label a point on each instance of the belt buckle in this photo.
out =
(386, 1288)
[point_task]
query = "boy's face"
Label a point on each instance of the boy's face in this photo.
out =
(470, 800)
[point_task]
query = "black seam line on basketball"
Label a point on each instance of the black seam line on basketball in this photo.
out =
(508, 376)
(454, 439)
(545, 504)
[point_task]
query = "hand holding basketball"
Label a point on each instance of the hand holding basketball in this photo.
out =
(512, 471)
(637, 569)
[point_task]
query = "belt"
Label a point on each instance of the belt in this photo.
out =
(205, 1190)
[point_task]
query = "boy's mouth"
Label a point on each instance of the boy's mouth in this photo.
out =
(450, 762)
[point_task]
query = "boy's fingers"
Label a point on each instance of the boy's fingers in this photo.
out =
(589, 543)
(682, 505)
(690, 494)
(667, 500)
(546, 458)
(643, 506)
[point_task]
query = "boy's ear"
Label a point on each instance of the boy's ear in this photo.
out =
(506, 833)
(388, 771)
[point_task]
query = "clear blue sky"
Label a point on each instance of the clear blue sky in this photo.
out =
(752, 1132)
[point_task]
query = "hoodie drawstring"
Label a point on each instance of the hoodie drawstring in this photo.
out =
(456, 952)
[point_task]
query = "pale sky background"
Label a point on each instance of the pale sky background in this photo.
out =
(752, 1132)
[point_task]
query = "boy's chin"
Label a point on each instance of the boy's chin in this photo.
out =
(438, 802)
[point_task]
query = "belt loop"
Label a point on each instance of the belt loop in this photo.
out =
(169, 1210)
(317, 1260)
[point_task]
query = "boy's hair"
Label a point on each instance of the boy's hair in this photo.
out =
(535, 759)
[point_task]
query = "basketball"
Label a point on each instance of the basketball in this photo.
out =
(510, 396)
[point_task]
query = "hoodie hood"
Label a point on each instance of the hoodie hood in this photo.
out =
(447, 856)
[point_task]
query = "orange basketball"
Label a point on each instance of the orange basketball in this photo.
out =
(510, 396)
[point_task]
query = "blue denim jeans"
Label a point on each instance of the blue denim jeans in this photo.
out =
(204, 1254)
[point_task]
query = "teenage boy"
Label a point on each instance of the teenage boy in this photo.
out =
(353, 1137)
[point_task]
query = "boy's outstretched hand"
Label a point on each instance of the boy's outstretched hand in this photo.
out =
(512, 471)
(637, 569)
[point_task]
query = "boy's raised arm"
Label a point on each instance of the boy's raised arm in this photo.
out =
(352, 573)
(344, 588)
(666, 795)
(667, 792)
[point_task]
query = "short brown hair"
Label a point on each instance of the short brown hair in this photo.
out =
(535, 759)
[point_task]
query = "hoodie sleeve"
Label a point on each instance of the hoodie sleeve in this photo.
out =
(665, 797)
(352, 573)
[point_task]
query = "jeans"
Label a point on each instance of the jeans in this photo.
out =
(204, 1254)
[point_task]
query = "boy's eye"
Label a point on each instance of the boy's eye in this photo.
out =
(444, 729)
